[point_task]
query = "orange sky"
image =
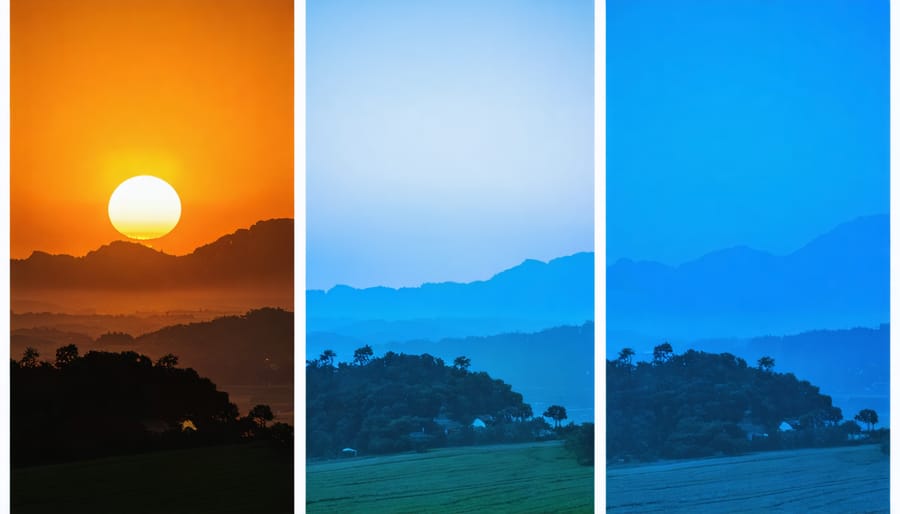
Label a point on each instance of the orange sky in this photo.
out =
(196, 92)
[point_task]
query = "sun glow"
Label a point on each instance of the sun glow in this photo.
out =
(144, 207)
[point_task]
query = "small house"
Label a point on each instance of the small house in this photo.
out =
(478, 424)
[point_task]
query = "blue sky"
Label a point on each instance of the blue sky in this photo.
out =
(760, 123)
(446, 140)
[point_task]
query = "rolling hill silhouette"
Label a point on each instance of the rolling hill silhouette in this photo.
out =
(851, 365)
(256, 348)
(838, 280)
(260, 255)
(554, 365)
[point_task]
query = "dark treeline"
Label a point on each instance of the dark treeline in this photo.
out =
(402, 402)
(255, 348)
(106, 403)
(699, 404)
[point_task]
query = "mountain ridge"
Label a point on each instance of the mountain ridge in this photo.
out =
(525, 262)
(532, 295)
(836, 280)
(261, 253)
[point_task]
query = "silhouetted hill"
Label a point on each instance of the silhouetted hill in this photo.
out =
(852, 366)
(254, 349)
(251, 355)
(699, 404)
(530, 296)
(390, 404)
(553, 366)
(838, 280)
(262, 254)
(102, 403)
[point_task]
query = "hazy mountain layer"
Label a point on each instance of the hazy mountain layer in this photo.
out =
(528, 297)
(838, 280)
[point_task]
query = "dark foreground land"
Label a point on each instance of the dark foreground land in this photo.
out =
(533, 477)
(841, 480)
(245, 478)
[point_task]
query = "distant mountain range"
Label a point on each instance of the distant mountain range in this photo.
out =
(838, 280)
(262, 254)
(529, 297)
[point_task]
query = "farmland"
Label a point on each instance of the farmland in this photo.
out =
(533, 477)
(841, 480)
(223, 479)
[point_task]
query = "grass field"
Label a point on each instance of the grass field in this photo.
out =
(251, 478)
(534, 477)
(841, 480)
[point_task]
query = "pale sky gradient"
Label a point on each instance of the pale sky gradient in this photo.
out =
(199, 93)
(743, 122)
(446, 140)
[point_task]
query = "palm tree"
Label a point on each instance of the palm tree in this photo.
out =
(261, 414)
(362, 355)
(65, 355)
(662, 353)
(29, 358)
(462, 363)
(867, 416)
(557, 412)
(766, 363)
(327, 358)
(625, 355)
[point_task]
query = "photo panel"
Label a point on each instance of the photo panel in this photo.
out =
(450, 265)
(748, 256)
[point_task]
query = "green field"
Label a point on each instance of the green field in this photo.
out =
(843, 480)
(534, 477)
(249, 478)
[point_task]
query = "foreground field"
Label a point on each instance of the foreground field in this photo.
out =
(841, 480)
(225, 479)
(536, 477)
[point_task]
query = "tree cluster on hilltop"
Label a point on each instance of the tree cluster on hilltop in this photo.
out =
(401, 402)
(698, 404)
(255, 348)
(106, 403)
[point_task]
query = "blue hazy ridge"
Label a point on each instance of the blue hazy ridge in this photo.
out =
(531, 296)
(838, 280)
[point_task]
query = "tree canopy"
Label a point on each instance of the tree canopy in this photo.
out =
(106, 403)
(557, 413)
(867, 416)
(400, 402)
(698, 404)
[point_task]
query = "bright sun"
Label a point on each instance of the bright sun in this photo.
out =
(144, 207)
